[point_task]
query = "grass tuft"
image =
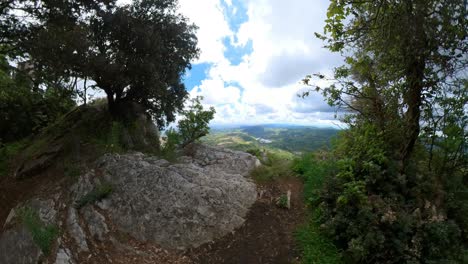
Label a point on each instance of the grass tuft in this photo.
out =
(315, 246)
(43, 236)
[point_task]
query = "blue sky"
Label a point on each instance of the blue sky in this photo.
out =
(254, 53)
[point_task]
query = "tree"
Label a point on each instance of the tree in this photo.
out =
(194, 122)
(401, 166)
(23, 110)
(405, 51)
(136, 53)
(193, 125)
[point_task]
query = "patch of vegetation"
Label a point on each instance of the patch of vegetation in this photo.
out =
(277, 166)
(7, 152)
(314, 244)
(191, 127)
(315, 247)
(169, 149)
(112, 142)
(44, 236)
(283, 201)
(97, 194)
(288, 139)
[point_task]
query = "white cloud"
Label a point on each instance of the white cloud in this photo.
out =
(284, 50)
(215, 92)
(213, 27)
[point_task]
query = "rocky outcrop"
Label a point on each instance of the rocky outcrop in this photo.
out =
(17, 243)
(179, 205)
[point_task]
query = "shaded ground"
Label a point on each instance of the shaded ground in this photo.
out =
(267, 234)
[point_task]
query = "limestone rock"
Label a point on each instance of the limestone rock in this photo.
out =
(64, 256)
(225, 160)
(75, 230)
(18, 247)
(96, 223)
(179, 205)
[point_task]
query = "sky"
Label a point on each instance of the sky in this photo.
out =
(254, 53)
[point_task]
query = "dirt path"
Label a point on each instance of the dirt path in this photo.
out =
(266, 236)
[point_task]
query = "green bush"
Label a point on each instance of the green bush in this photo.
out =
(377, 216)
(25, 109)
(169, 149)
(43, 236)
(7, 152)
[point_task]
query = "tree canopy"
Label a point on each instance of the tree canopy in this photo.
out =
(395, 196)
(134, 53)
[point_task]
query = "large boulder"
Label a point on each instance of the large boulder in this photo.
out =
(152, 201)
(178, 205)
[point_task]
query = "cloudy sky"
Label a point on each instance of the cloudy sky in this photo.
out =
(254, 54)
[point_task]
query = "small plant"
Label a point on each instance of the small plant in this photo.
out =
(283, 201)
(170, 146)
(255, 152)
(97, 194)
(43, 236)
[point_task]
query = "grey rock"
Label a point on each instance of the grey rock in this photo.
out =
(225, 160)
(75, 230)
(41, 161)
(96, 223)
(179, 205)
(64, 256)
(46, 210)
(18, 247)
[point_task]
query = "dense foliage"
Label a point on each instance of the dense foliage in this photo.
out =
(25, 110)
(399, 194)
(135, 53)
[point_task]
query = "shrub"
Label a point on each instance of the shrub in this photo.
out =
(194, 122)
(169, 149)
(376, 215)
(277, 166)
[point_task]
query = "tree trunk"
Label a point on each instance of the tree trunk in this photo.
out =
(416, 64)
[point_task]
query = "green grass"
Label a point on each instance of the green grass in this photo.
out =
(275, 167)
(98, 193)
(316, 248)
(44, 236)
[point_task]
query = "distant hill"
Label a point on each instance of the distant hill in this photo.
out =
(290, 138)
